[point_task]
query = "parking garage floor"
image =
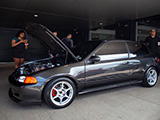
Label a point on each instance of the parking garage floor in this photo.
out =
(126, 103)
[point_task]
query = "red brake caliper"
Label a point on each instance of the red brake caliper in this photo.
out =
(54, 92)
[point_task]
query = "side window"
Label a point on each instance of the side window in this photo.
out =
(113, 51)
(137, 49)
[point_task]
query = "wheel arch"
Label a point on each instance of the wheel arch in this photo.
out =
(148, 69)
(56, 77)
(152, 66)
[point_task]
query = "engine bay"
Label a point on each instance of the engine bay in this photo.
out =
(38, 65)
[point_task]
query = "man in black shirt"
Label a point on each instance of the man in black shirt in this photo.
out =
(68, 41)
(153, 41)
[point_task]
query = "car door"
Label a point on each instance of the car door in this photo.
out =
(111, 67)
(138, 56)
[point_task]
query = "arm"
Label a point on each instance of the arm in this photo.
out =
(71, 43)
(158, 42)
(26, 46)
(14, 44)
(146, 41)
(50, 54)
(26, 43)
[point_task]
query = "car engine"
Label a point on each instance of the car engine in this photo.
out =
(36, 66)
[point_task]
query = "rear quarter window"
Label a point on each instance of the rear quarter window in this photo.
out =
(137, 49)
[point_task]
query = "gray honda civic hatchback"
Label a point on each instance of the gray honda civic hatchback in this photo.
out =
(95, 66)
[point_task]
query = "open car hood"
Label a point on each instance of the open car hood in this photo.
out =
(47, 38)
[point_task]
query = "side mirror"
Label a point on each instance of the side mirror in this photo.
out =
(94, 59)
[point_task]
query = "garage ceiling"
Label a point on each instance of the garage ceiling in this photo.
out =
(71, 14)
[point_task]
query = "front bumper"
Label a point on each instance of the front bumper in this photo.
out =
(24, 95)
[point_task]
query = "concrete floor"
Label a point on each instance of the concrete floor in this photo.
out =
(127, 103)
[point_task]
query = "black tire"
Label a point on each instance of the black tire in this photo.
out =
(151, 77)
(59, 93)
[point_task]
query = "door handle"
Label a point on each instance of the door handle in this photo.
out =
(125, 63)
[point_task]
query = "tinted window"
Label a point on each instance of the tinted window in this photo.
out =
(85, 48)
(113, 50)
(137, 49)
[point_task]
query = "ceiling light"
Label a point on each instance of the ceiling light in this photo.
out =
(35, 15)
(126, 25)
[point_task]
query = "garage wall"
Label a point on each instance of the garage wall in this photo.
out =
(6, 36)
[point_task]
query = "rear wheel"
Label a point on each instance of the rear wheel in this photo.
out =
(151, 77)
(60, 93)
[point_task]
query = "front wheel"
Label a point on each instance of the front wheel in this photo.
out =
(60, 93)
(151, 77)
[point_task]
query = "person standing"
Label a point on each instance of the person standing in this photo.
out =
(153, 42)
(68, 41)
(19, 45)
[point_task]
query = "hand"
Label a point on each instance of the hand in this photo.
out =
(22, 41)
(26, 44)
(26, 41)
(51, 56)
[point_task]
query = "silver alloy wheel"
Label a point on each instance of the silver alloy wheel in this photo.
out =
(61, 93)
(152, 77)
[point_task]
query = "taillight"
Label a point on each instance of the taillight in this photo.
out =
(158, 60)
(28, 80)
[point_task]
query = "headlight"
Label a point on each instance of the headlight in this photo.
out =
(22, 78)
(28, 80)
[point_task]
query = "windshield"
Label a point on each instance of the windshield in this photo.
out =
(85, 48)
